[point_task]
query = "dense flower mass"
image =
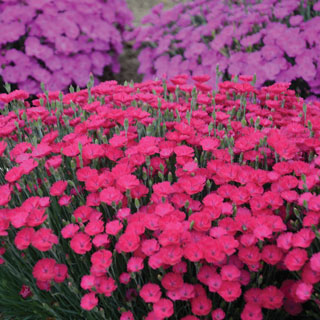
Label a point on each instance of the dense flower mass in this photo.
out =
(162, 200)
(47, 41)
(243, 37)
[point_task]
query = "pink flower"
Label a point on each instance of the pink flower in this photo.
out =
(295, 259)
(251, 312)
(230, 290)
(113, 227)
(128, 242)
(110, 195)
(102, 258)
(303, 291)
(44, 239)
(89, 301)
(69, 231)
(58, 188)
(150, 293)
(124, 278)
(23, 238)
(172, 281)
(44, 269)
(94, 227)
(315, 262)
(87, 282)
(25, 292)
(80, 243)
(61, 272)
(135, 264)
(201, 306)
(127, 316)
(163, 308)
(272, 298)
(218, 314)
(230, 273)
(271, 254)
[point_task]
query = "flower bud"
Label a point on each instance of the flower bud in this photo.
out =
(137, 203)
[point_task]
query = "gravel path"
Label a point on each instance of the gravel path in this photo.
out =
(140, 8)
(128, 60)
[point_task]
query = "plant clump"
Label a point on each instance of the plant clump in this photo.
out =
(60, 43)
(160, 200)
(276, 40)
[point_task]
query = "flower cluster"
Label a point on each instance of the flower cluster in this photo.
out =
(47, 41)
(164, 200)
(243, 37)
(46, 270)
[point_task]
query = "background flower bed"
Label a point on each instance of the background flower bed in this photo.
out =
(127, 58)
(277, 65)
(47, 41)
(277, 40)
(161, 200)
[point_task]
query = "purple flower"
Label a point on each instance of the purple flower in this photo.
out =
(281, 11)
(195, 49)
(98, 60)
(161, 64)
(182, 33)
(269, 52)
(209, 58)
(223, 38)
(40, 74)
(255, 57)
(316, 6)
(54, 36)
(17, 13)
(287, 74)
(34, 48)
(295, 46)
(58, 80)
(9, 74)
(237, 63)
(164, 44)
(184, 21)
(29, 86)
(38, 4)
(251, 40)
(236, 68)
(296, 20)
(16, 56)
(207, 29)
(175, 62)
(271, 70)
(305, 67)
(54, 63)
(11, 32)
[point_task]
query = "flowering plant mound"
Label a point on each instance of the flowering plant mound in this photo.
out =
(60, 42)
(161, 200)
(279, 39)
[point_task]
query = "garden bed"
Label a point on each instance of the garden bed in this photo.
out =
(160, 200)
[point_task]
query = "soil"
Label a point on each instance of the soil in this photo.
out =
(128, 60)
(141, 8)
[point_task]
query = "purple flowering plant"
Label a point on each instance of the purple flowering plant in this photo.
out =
(60, 42)
(276, 40)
